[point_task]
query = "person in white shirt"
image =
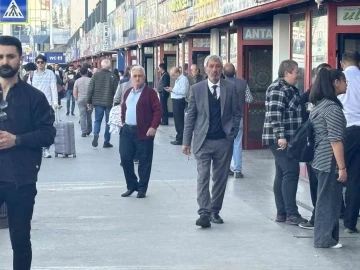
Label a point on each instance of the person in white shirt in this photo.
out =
(178, 94)
(351, 103)
(45, 80)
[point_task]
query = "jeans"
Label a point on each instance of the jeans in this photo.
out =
(130, 146)
(99, 114)
(285, 182)
(85, 117)
(237, 151)
(328, 206)
(70, 97)
(20, 206)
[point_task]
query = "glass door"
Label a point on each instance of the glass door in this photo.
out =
(347, 42)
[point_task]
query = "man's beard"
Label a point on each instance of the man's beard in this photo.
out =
(7, 71)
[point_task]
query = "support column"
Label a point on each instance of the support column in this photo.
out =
(215, 41)
(281, 41)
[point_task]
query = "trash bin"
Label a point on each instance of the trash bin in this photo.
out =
(3, 217)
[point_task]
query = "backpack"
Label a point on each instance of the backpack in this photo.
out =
(302, 145)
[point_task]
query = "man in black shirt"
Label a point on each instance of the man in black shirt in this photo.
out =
(164, 95)
(26, 125)
(69, 81)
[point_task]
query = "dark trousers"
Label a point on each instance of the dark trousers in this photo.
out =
(328, 206)
(286, 182)
(352, 195)
(313, 182)
(179, 117)
(20, 205)
(164, 96)
(129, 146)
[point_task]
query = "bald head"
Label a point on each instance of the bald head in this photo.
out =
(194, 70)
(229, 70)
(106, 64)
(175, 72)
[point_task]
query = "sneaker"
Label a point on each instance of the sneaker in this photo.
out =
(203, 221)
(107, 145)
(239, 175)
(46, 153)
(73, 114)
(280, 218)
(231, 173)
(347, 230)
(338, 245)
(67, 113)
(95, 142)
(307, 225)
(295, 220)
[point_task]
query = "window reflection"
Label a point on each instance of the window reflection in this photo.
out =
(299, 46)
(223, 47)
(319, 38)
(233, 49)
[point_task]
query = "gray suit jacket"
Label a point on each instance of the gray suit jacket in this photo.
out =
(241, 85)
(197, 114)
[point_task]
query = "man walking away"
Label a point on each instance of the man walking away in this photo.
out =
(81, 88)
(124, 84)
(164, 82)
(101, 93)
(351, 101)
(245, 96)
(141, 115)
(26, 125)
(283, 117)
(45, 80)
(214, 115)
(178, 94)
(69, 82)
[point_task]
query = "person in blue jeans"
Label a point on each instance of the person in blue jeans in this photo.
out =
(69, 80)
(245, 96)
(101, 92)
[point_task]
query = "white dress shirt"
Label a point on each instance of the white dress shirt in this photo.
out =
(210, 84)
(351, 100)
(180, 88)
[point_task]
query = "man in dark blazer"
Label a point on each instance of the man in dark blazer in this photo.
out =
(164, 82)
(213, 116)
(141, 115)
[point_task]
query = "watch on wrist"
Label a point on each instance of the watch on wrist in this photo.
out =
(17, 141)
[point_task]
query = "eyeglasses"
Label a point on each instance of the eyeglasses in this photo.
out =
(40, 62)
(3, 105)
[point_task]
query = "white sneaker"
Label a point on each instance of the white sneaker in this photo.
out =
(46, 153)
(338, 245)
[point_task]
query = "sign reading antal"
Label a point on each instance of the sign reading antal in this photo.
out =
(348, 15)
(258, 33)
(13, 11)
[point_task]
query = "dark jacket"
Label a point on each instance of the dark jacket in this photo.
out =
(164, 82)
(102, 88)
(148, 111)
(304, 100)
(31, 118)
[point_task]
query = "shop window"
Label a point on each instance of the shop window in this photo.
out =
(201, 42)
(169, 47)
(223, 47)
(133, 53)
(319, 39)
(299, 46)
(233, 48)
(148, 50)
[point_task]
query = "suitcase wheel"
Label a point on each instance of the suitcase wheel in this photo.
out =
(56, 154)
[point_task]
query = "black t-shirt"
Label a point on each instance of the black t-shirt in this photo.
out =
(70, 78)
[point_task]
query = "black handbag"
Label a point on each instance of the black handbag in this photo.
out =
(302, 145)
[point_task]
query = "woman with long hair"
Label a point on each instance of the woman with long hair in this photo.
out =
(329, 125)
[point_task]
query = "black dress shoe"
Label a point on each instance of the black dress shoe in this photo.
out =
(215, 218)
(83, 135)
(231, 172)
(176, 143)
(128, 193)
(203, 221)
(141, 194)
(107, 145)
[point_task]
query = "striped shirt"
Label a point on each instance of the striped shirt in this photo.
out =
(329, 125)
(46, 83)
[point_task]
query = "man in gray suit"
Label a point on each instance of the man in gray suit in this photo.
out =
(245, 96)
(213, 116)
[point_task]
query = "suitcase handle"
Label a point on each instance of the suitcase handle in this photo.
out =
(57, 116)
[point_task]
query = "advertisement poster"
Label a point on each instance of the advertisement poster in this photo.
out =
(205, 10)
(231, 6)
(61, 21)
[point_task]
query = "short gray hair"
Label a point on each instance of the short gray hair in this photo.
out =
(214, 57)
(106, 64)
(138, 68)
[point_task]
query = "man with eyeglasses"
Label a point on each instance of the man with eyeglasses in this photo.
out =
(45, 80)
(26, 125)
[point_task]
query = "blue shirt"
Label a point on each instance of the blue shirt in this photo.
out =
(180, 88)
(131, 102)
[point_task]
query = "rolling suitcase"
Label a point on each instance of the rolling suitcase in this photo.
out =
(65, 137)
